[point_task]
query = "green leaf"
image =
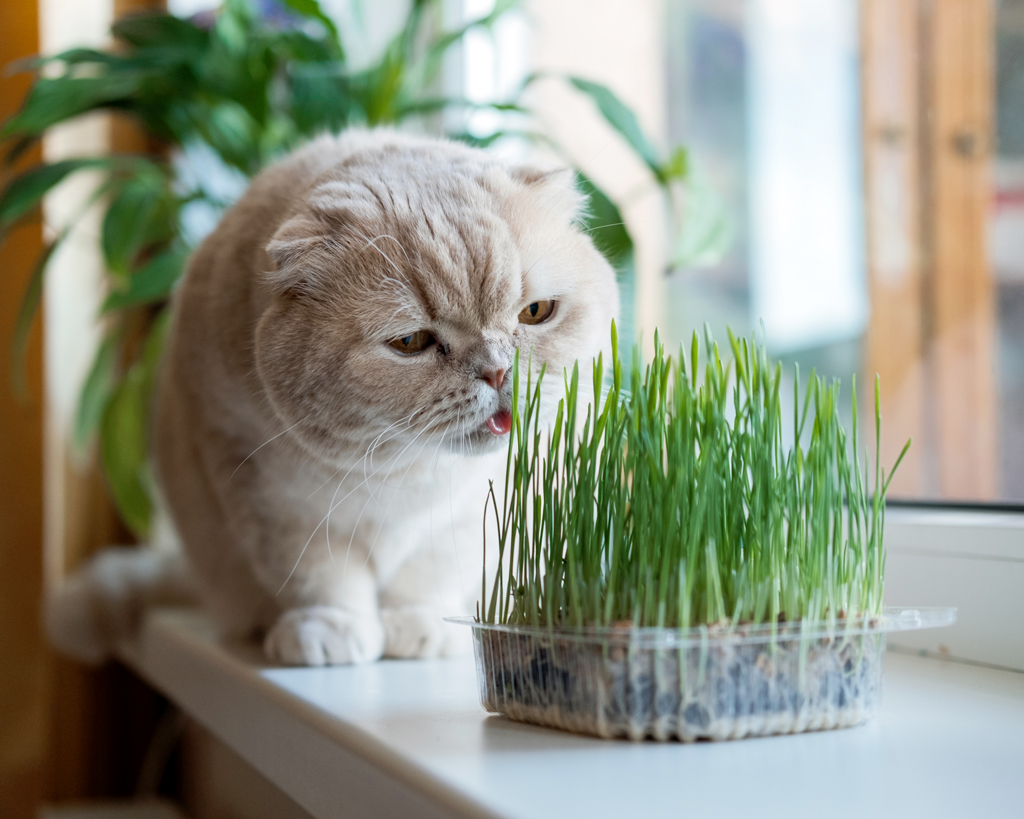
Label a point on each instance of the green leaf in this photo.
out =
(432, 105)
(34, 292)
(231, 131)
(26, 313)
(61, 98)
(439, 47)
(124, 435)
(77, 56)
(379, 90)
(26, 190)
(405, 40)
(321, 97)
(151, 283)
(311, 8)
(233, 27)
(149, 29)
(97, 389)
(705, 232)
(479, 141)
(128, 220)
(123, 451)
(21, 145)
(604, 224)
(295, 47)
(623, 120)
(678, 166)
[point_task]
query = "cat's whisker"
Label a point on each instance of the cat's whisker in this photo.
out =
(601, 227)
(451, 508)
(430, 523)
(396, 457)
(600, 150)
(394, 495)
(370, 450)
(334, 506)
(370, 243)
(327, 525)
(410, 302)
(455, 541)
(402, 308)
(433, 553)
(393, 239)
(400, 283)
(247, 457)
(376, 443)
(355, 526)
(326, 481)
(331, 505)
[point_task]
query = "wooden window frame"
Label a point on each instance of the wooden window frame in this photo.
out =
(928, 124)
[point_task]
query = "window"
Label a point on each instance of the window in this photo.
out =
(869, 159)
(856, 184)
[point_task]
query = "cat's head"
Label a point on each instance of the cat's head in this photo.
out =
(403, 283)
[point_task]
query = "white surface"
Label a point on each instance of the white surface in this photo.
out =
(409, 739)
(971, 560)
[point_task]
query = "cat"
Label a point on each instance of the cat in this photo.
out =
(336, 395)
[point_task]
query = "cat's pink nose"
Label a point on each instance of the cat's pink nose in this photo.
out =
(494, 377)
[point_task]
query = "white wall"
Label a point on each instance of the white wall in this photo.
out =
(621, 45)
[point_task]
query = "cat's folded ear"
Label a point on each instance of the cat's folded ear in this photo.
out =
(537, 175)
(555, 186)
(306, 249)
(294, 251)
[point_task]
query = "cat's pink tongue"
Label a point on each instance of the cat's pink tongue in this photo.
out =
(500, 423)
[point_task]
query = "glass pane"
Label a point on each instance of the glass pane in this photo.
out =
(1007, 241)
(868, 160)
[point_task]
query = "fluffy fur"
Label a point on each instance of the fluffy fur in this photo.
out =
(329, 490)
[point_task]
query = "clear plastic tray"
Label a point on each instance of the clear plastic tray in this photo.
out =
(690, 684)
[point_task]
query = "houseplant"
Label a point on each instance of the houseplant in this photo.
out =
(225, 94)
(670, 569)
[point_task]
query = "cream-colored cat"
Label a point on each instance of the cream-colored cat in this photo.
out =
(336, 395)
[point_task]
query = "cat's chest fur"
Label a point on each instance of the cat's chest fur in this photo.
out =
(380, 511)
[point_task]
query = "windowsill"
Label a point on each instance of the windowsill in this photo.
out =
(409, 739)
(971, 559)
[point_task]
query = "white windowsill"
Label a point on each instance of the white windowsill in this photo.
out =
(970, 559)
(409, 739)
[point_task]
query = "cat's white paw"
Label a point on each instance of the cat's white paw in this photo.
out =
(419, 632)
(324, 635)
(101, 603)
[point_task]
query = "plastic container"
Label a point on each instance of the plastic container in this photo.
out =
(701, 683)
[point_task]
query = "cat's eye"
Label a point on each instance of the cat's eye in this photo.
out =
(413, 343)
(537, 312)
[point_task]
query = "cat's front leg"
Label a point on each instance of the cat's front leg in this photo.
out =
(325, 635)
(426, 589)
(344, 629)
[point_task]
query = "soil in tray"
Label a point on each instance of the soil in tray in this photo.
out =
(729, 688)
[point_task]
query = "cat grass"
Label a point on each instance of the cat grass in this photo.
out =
(672, 501)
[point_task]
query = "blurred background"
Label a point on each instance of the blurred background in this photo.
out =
(852, 177)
